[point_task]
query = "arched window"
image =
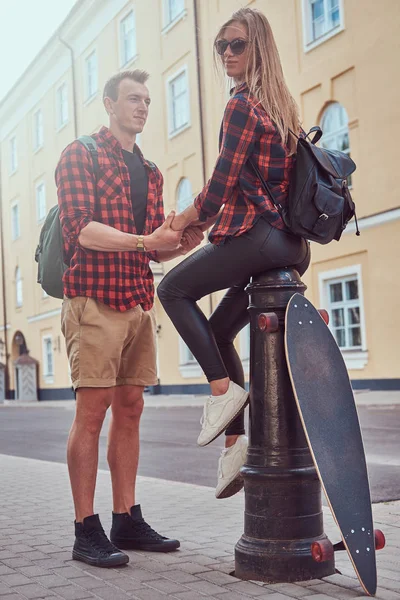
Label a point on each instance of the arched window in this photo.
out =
(184, 194)
(18, 287)
(335, 127)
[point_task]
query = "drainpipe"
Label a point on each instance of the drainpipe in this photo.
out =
(74, 99)
(200, 100)
(4, 298)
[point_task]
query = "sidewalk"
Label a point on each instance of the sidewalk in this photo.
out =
(36, 536)
(362, 397)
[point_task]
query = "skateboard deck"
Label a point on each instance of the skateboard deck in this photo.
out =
(327, 410)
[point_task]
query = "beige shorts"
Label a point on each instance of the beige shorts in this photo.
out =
(106, 347)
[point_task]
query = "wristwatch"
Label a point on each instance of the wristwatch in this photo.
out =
(140, 244)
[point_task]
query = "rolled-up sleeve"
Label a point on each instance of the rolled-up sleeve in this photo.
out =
(159, 216)
(240, 130)
(76, 193)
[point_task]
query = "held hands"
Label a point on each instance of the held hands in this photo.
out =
(164, 238)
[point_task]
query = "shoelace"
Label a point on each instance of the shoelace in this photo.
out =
(203, 418)
(143, 528)
(100, 542)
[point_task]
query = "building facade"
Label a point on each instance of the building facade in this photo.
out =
(339, 58)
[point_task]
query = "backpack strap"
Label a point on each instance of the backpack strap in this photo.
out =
(91, 145)
(266, 187)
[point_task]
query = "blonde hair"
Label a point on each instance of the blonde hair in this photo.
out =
(264, 74)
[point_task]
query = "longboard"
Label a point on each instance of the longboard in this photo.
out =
(328, 413)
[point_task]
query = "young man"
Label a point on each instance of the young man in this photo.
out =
(113, 225)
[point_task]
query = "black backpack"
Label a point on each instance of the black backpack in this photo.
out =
(50, 251)
(319, 204)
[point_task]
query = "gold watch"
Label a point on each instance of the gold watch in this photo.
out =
(140, 247)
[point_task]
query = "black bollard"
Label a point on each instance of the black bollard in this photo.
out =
(283, 508)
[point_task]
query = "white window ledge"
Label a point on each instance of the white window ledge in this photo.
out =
(91, 98)
(323, 38)
(49, 379)
(172, 24)
(62, 126)
(355, 360)
(190, 370)
(130, 62)
(173, 134)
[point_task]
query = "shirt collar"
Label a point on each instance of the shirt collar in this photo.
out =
(237, 89)
(112, 142)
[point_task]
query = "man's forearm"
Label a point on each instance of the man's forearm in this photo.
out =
(165, 255)
(103, 238)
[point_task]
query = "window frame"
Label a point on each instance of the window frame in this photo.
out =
(181, 207)
(38, 130)
(90, 96)
(169, 20)
(123, 62)
(188, 368)
(47, 375)
(15, 235)
(343, 130)
(309, 42)
(13, 154)
(40, 184)
(60, 124)
(172, 132)
(356, 358)
(19, 290)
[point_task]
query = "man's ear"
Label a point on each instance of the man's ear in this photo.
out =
(108, 105)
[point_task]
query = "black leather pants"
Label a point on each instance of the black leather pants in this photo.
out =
(214, 268)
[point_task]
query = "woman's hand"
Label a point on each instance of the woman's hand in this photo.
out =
(192, 237)
(185, 218)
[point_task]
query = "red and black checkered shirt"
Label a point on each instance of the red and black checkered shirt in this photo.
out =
(121, 280)
(246, 131)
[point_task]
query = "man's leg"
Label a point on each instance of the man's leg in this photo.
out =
(83, 446)
(123, 445)
(91, 543)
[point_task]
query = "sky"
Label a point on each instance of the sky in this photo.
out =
(25, 27)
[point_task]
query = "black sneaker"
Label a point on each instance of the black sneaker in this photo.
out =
(93, 547)
(131, 532)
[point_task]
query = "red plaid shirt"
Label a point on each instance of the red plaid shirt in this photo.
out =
(121, 280)
(246, 131)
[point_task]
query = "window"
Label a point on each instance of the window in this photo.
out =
(184, 194)
(188, 365)
(91, 75)
(323, 18)
(40, 202)
(178, 96)
(173, 9)
(48, 358)
(341, 293)
(18, 288)
(335, 127)
(15, 226)
(13, 155)
(37, 130)
(62, 105)
(128, 38)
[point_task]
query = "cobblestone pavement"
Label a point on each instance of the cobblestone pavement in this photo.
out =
(36, 536)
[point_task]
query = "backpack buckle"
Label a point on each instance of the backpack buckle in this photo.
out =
(324, 217)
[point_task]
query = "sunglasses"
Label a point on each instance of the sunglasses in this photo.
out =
(237, 45)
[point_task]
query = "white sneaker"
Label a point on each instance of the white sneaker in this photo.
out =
(219, 412)
(230, 462)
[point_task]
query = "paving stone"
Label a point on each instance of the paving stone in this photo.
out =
(110, 593)
(4, 570)
(180, 576)
(192, 568)
(148, 594)
(245, 587)
(72, 592)
(32, 591)
(51, 581)
(87, 582)
(14, 579)
(4, 589)
(32, 570)
(166, 586)
(195, 596)
(142, 575)
(205, 587)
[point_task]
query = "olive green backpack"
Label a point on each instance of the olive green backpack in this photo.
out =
(50, 251)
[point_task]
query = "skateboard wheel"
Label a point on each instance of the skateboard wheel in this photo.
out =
(324, 314)
(322, 551)
(268, 322)
(380, 540)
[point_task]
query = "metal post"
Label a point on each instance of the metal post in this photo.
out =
(283, 508)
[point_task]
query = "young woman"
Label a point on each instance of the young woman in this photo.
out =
(248, 237)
